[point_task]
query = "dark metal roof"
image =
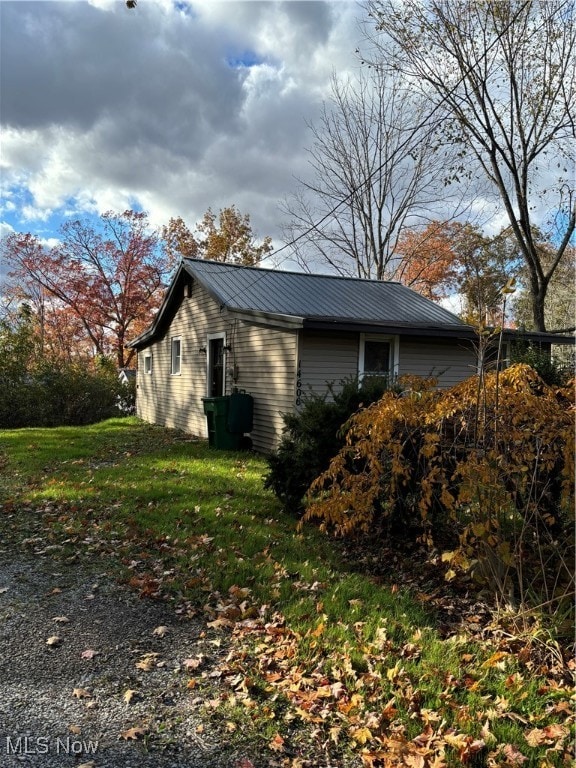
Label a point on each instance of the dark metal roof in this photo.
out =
(322, 302)
(317, 297)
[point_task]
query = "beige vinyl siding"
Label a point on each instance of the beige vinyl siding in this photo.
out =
(264, 358)
(266, 361)
(176, 401)
(326, 358)
(449, 361)
(334, 357)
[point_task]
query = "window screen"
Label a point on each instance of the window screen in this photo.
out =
(377, 358)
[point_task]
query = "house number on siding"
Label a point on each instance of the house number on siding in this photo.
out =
(299, 384)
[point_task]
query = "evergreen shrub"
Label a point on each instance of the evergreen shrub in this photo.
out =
(314, 434)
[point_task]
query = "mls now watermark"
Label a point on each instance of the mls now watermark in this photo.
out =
(44, 745)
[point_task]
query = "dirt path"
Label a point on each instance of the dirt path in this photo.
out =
(64, 702)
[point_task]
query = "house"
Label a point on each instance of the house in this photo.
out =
(126, 376)
(280, 335)
(126, 402)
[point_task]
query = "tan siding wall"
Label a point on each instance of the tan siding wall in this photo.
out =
(327, 359)
(330, 358)
(449, 362)
(176, 401)
(265, 360)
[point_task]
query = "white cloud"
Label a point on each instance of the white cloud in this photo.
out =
(171, 109)
(5, 230)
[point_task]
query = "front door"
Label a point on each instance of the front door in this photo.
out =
(216, 367)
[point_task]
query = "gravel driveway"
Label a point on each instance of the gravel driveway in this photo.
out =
(63, 702)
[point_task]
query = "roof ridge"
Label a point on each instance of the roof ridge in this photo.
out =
(271, 270)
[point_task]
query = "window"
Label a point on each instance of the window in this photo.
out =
(176, 356)
(378, 356)
(148, 363)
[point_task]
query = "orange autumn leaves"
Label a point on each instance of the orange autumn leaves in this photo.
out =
(430, 452)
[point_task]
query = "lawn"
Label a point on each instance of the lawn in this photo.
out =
(341, 651)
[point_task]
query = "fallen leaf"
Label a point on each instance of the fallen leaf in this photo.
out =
(538, 736)
(555, 731)
(361, 735)
(53, 640)
(160, 631)
(61, 619)
(81, 693)
(220, 622)
(495, 659)
(3, 590)
(129, 695)
(192, 663)
(75, 729)
(147, 662)
(414, 761)
(277, 743)
(89, 653)
(133, 733)
(89, 764)
(513, 755)
(55, 591)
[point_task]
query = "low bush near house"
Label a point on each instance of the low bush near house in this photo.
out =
(555, 372)
(486, 468)
(41, 391)
(53, 393)
(312, 437)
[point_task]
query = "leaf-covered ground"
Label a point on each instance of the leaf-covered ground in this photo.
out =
(339, 655)
(91, 675)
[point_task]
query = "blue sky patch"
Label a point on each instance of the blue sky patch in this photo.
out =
(245, 60)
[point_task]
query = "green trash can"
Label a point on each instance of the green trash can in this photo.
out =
(240, 412)
(216, 410)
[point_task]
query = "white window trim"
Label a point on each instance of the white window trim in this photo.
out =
(148, 359)
(394, 342)
(211, 337)
(173, 372)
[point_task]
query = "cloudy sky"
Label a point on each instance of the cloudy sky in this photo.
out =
(172, 107)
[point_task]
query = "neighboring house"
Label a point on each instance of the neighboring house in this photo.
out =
(281, 335)
(126, 375)
(126, 401)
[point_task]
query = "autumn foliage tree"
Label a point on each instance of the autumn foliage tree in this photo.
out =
(486, 467)
(226, 237)
(427, 260)
(452, 257)
(97, 288)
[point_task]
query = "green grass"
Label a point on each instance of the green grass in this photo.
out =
(175, 517)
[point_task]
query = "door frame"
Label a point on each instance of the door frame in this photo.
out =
(209, 362)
